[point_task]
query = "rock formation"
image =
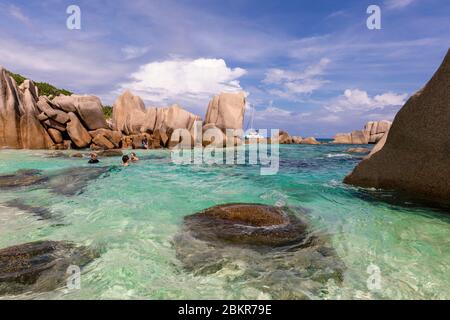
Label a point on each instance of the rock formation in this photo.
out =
(11, 109)
(30, 121)
(79, 135)
(88, 108)
(415, 156)
(310, 140)
(156, 124)
(226, 112)
(372, 133)
(377, 129)
(285, 138)
(269, 247)
(128, 114)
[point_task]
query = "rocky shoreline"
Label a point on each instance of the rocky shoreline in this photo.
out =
(30, 121)
(372, 133)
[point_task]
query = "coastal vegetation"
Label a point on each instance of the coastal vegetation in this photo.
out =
(45, 89)
(107, 112)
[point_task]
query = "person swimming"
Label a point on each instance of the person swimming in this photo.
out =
(93, 159)
(125, 161)
(133, 157)
(144, 144)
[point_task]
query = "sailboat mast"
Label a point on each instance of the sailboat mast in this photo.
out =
(252, 117)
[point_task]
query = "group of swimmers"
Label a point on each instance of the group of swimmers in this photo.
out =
(125, 159)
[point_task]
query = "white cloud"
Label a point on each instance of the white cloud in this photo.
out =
(397, 4)
(360, 101)
(273, 113)
(131, 52)
(72, 67)
(178, 80)
(292, 84)
(17, 13)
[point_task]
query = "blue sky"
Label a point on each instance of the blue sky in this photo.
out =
(311, 67)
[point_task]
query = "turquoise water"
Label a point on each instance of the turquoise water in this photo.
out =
(132, 215)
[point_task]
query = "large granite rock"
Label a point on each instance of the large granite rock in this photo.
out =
(177, 118)
(56, 135)
(415, 157)
(372, 133)
(128, 114)
(19, 125)
(79, 135)
(88, 108)
(114, 137)
(103, 142)
(149, 123)
(343, 138)
(377, 129)
(309, 140)
(10, 111)
(226, 111)
(359, 137)
(30, 95)
(285, 138)
(33, 134)
(132, 119)
(213, 136)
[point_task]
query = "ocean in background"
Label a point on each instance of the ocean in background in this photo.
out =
(132, 215)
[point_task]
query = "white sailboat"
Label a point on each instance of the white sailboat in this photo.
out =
(252, 133)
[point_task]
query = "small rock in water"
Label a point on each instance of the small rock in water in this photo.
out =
(56, 154)
(278, 253)
(358, 150)
(22, 178)
(39, 266)
(76, 155)
(110, 153)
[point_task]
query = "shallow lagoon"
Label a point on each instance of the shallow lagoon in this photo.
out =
(132, 215)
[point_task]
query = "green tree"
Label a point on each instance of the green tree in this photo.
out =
(44, 88)
(107, 112)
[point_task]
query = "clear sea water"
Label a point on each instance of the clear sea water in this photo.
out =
(133, 214)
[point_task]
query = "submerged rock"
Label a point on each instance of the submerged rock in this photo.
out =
(66, 182)
(39, 266)
(22, 178)
(271, 249)
(72, 181)
(250, 224)
(358, 150)
(41, 212)
(110, 153)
